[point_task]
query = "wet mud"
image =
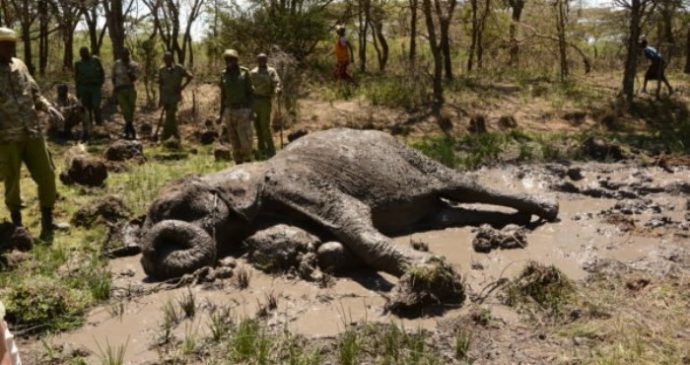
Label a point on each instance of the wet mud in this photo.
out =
(611, 215)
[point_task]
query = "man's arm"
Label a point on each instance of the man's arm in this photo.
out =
(133, 72)
(101, 71)
(222, 98)
(275, 79)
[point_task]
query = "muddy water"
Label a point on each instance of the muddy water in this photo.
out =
(578, 238)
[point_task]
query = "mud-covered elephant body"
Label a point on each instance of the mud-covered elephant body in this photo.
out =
(350, 186)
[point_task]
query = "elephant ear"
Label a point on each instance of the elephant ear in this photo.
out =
(240, 187)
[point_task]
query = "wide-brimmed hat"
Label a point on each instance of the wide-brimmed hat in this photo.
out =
(7, 35)
(231, 53)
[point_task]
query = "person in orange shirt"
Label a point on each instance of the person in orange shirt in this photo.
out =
(343, 55)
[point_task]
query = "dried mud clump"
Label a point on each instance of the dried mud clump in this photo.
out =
(295, 135)
(507, 122)
(108, 210)
(123, 150)
(477, 124)
(432, 283)
(599, 149)
(83, 169)
(538, 284)
(222, 153)
(334, 257)
(489, 238)
(14, 238)
(281, 248)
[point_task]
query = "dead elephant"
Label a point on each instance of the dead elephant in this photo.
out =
(342, 185)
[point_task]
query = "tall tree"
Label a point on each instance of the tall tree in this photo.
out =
(516, 7)
(167, 18)
(561, 10)
(413, 31)
(480, 13)
(116, 12)
(687, 53)
(435, 48)
(363, 18)
(44, 10)
(91, 11)
(377, 20)
(68, 15)
(637, 11)
(445, 15)
(25, 12)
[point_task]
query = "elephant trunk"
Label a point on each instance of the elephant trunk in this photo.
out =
(172, 248)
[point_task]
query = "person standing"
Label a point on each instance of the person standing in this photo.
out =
(236, 99)
(21, 139)
(89, 78)
(656, 70)
(266, 85)
(343, 55)
(172, 79)
(125, 74)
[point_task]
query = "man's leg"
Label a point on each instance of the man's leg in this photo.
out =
(96, 104)
(262, 107)
(42, 170)
(10, 170)
(231, 126)
(260, 143)
(245, 132)
(170, 126)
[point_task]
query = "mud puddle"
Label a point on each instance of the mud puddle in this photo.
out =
(584, 234)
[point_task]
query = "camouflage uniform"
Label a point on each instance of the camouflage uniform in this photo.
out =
(236, 98)
(21, 139)
(170, 88)
(266, 83)
(89, 78)
(126, 92)
(74, 114)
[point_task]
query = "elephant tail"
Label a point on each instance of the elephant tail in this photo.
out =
(172, 248)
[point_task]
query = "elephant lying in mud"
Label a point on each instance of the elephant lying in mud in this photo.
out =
(341, 185)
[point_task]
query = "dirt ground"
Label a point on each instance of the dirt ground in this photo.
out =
(651, 237)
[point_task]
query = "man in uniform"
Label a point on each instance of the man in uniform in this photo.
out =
(266, 84)
(343, 56)
(236, 99)
(73, 112)
(125, 74)
(21, 139)
(170, 82)
(89, 78)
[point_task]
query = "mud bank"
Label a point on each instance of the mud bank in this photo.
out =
(611, 213)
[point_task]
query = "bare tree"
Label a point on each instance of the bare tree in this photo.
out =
(561, 10)
(116, 12)
(377, 19)
(413, 31)
(435, 52)
(91, 10)
(637, 10)
(43, 23)
(167, 19)
(25, 12)
(68, 15)
(480, 12)
(363, 15)
(516, 7)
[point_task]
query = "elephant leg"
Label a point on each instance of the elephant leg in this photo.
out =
(349, 220)
(457, 217)
(454, 186)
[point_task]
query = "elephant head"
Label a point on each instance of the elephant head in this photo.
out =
(179, 234)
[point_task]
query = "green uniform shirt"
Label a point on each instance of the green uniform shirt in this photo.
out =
(170, 83)
(89, 72)
(20, 99)
(236, 88)
(265, 80)
(122, 74)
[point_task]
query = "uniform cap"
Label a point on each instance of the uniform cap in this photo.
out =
(230, 53)
(7, 35)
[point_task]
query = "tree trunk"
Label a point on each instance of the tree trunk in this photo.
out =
(666, 30)
(473, 43)
(516, 15)
(444, 25)
(363, 30)
(687, 53)
(68, 56)
(413, 31)
(632, 51)
(380, 42)
(44, 20)
(561, 9)
(115, 17)
(480, 34)
(26, 40)
(436, 53)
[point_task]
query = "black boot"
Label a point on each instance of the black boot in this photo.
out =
(48, 225)
(16, 216)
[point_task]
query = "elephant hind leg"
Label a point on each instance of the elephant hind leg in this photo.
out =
(454, 186)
